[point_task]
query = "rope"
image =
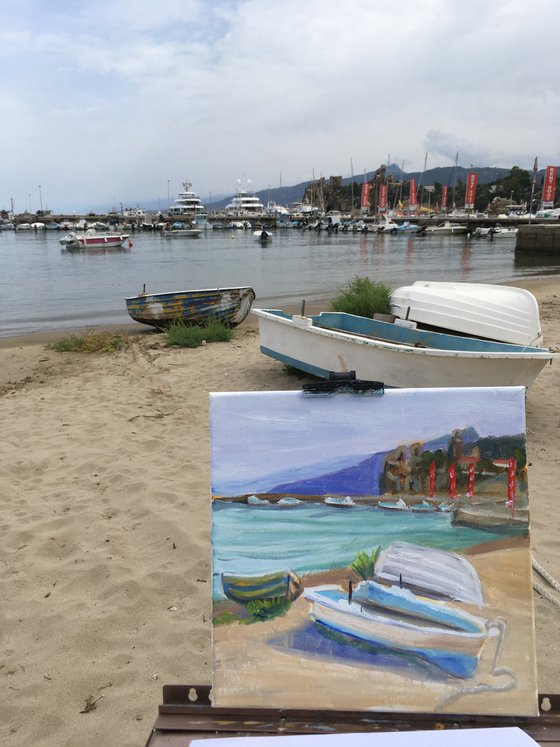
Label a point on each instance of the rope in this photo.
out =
(545, 574)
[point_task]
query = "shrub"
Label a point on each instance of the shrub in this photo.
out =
(364, 565)
(264, 609)
(90, 342)
(179, 333)
(363, 297)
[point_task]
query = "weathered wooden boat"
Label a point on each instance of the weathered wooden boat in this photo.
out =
(395, 619)
(244, 589)
(495, 312)
(397, 355)
(337, 501)
(92, 238)
(227, 305)
(428, 571)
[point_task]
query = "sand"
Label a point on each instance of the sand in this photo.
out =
(105, 521)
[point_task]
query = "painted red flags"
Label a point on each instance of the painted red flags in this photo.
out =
(382, 197)
(512, 470)
(549, 187)
(452, 481)
(470, 482)
(412, 198)
(432, 479)
(470, 194)
(444, 197)
(365, 195)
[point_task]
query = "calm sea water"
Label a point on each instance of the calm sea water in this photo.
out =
(313, 537)
(45, 287)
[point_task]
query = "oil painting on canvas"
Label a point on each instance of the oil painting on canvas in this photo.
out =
(372, 552)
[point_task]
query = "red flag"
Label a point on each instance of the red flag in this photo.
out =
(472, 180)
(383, 197)
(470, 481)
(412, 197)
(512, 470)
(444, 197)
(365, 195)
(452, 481)
(549, 187)
(432, 479)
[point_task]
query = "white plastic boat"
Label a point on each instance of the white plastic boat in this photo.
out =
(446, 229)
(493, 312)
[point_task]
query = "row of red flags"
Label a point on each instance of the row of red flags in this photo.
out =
(549, 189)
(452, 479)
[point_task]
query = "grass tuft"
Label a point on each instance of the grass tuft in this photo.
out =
(179, 333)
(363, 297)
(364, 564)
(90, 342)
(265, 609)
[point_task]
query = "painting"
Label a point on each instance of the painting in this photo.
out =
(371, 553)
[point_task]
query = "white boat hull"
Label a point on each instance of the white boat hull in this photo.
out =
(494, 312)
(318, 351)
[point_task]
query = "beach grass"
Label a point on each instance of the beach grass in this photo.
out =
(90, 342)
(364, 564)
(363, 297)
(183, 335)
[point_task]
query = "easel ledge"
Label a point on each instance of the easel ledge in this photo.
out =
(187, 713)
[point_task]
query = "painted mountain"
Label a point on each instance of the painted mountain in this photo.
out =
(363, 478)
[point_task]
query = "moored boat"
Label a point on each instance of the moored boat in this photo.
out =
(447, 228)
(399, 505)
(178, 229)
(92, 238)
(495, 312)
(244, 589)
(395, 619)
(397, 355)
(227, 305)
(338, 501)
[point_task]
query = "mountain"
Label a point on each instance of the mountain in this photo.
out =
(363, 478)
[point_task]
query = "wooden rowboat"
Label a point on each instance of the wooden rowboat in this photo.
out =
(244, 589)
(227, 305)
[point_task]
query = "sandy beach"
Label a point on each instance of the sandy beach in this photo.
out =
(105, 518)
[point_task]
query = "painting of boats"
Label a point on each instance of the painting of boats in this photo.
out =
(227, 305)
(395, 619)
(391, 603)
(398, 355)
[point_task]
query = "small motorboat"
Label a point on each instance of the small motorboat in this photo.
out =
(178, 229)
(339, 502)
(423, 507)
(227, 305)
(92, 238)
(446, 229)
(263, 236)
(289, 501)
(254, 500)
(399, 505)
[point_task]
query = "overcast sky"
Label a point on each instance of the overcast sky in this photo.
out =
(110, 101)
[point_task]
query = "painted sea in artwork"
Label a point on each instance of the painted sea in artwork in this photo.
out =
(372, 552)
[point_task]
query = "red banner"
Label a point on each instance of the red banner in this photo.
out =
(549, 187)
(512, 470)
(452, 481)
(472, 180)
(432, 479)
(444, 197)
(470, 482)
(383, 197)
(412, 198)
(365, 195)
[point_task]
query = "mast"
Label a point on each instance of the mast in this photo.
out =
(352, 188)
(452, 177)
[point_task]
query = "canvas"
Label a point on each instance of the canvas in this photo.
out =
(372, 552)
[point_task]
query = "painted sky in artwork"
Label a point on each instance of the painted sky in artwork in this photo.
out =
(257, 437)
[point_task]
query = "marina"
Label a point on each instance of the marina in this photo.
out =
(87, 287)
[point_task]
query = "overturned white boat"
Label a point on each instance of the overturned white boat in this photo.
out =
(494, 312)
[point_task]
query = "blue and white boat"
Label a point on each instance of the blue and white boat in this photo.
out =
(398, 354)
(395, 619)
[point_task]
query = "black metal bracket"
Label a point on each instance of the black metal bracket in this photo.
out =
(343, 382)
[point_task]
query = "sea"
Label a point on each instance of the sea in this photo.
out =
(45, 286)
(312, 537)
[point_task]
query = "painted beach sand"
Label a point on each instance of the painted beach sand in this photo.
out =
(372, 552)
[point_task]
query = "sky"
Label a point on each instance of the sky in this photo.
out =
(268, 437)
(110, 102)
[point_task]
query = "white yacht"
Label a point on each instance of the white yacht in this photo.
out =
(245, 204)
(189, 205)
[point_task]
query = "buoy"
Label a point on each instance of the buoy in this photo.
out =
(130, 243)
